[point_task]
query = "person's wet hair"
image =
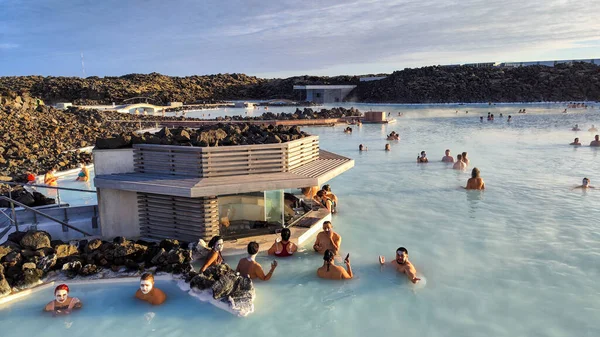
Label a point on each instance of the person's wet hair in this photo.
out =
(328, 257)
(213, 241)
(147, 277)
(327, 223)
(326, 187)
(464, 154)
(459, 156)
(285, 234)
(475, 172)
(402, 249)
(253, 248)
(321, 194)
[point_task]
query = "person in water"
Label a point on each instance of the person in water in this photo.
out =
(475, 182)
(62, 303)
(596, 141)
(575, 142)
(576, 128)
(330, 271)
(422, 158)
(402, 264)
(214, 257)
(49, 178)
(448, 158)
(327, 189)
(592, 129)
(362, 147)
(148, 292)
(328, 240)
(283, 247)
(387, 147)
(325, 201)
(465, 159)
(509, 118)
(459, 165)
(248, 267)
(84, 174)
(585, 183)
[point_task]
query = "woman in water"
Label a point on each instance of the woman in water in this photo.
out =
(325, 201)
(49, 178)
(214, 257)
(475, 182)
(283, 247)
(63, 304)
(84, 174)
(332, 272)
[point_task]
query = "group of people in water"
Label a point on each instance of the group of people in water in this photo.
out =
(593, 143)
(50, 178)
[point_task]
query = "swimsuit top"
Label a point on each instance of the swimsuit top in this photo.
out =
(284, 252)
(53, 305)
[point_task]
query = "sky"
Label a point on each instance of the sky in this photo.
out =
(282, 38)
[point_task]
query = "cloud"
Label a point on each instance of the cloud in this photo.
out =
(293, 37)
(8, 46)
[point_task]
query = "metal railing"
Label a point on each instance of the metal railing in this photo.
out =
(13, 202)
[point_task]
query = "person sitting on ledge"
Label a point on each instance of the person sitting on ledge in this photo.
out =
(362, 147)
(402, 264)
(330, 271)
(63, 304)
(248, 267)
(475, 182)
(84, 174)
(325, 201)
(448, 158)
(459, 165)
(422, 158)
(327, 189)
(283, 247)
(148, 292)
(596, 141)
(327, 240)
(214, 257)
(585, 183)
(49, 178)
(575, 142)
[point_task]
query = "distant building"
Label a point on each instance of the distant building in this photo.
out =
(551, 63)
(175, 104)
(480, 65)
(372, 78)
(63, 106)
(325, 93)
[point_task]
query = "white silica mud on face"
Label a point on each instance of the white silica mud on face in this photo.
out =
(519, 259)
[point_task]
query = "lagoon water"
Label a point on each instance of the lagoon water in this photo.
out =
(521, 258)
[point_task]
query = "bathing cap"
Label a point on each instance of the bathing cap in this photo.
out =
(61, 287)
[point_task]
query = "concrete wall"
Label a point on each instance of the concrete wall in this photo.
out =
(113, 161)
(118, 212)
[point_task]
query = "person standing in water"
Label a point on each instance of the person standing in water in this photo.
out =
(330, 271)
(575, 142)
(465, 159)
(62, 303)
(596, 141)
(448, 158)
(84, 174)
(328, 240)
(475, 182)
(147, 292)
(248, 267)
(284, 247)
(422, 158)
(402, 264)
(459, 165)
(49, 178)
(585, 183)
(214, 257)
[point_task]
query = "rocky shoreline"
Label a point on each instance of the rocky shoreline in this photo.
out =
(27, 259)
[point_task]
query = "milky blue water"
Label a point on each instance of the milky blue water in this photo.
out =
(521, 258)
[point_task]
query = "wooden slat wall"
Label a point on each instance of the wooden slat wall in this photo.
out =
(209, 162)
(186, 219)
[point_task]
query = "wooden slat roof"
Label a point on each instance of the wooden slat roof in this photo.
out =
(315, 173)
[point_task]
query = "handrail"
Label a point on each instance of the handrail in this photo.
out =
(44, 215)
(46, 186)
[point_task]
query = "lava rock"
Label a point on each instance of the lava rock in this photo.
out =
(35, 240)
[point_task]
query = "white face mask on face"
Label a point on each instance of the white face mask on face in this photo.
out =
(145, 287)
(61, 296)
(219, 246)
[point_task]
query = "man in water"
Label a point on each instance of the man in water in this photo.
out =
(459, 165)
(328, 240)
(148, 292)
(575, 142)
(387, 147)
(330, 271)
(63, 304)
(592, 129)
(402, 264)
(509, 118)
(596, 141)
(283, 247)
(576, 128)
(422, 158)
(448, 158)
(585, 183)
(362, 148)
(248, 266)
(475, 182)
(465, 159)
